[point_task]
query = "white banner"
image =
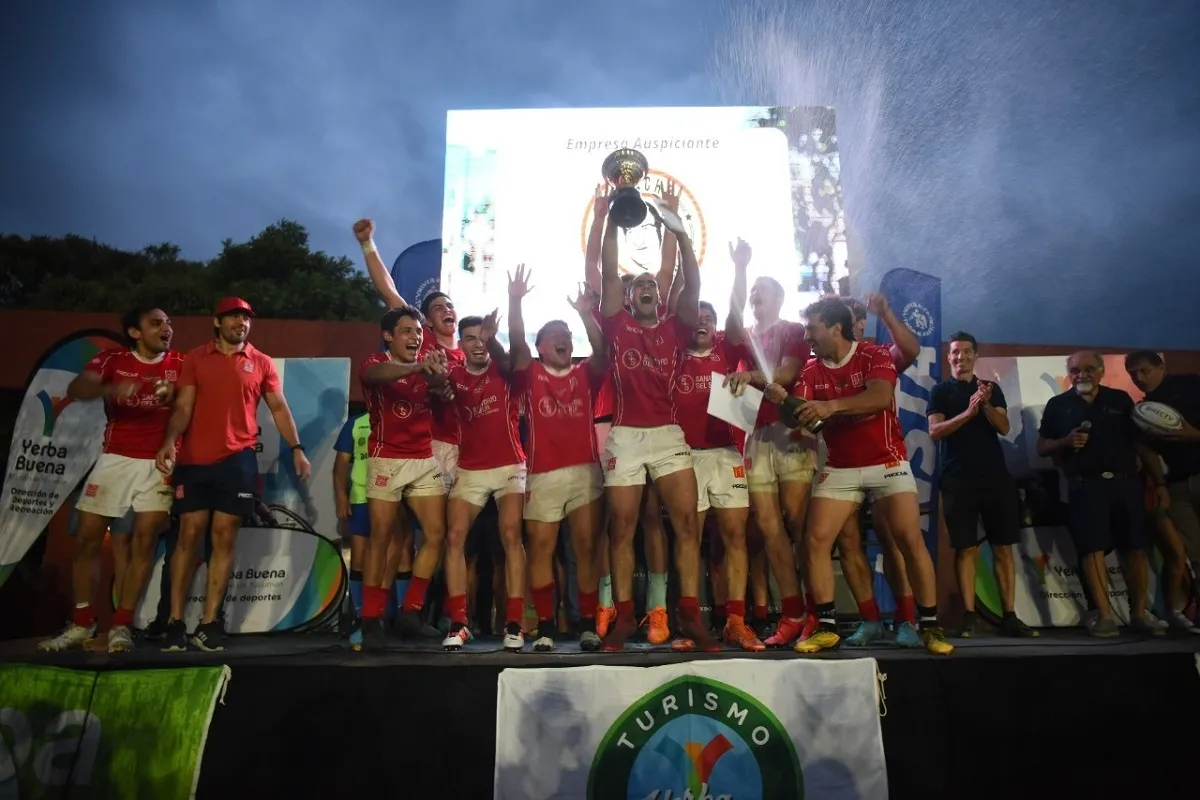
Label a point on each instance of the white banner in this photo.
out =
(282, 579)
(711, 730)
(55, 442)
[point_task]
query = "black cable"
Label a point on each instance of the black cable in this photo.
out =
(87, 715)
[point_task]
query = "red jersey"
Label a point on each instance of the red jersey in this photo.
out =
(136, 426)
(860, 440)
(487, 404)
(644, 364)
(603, 403)
(401, 414)
(692, 387)
(558, 413)
(778, 341)
(228, 389)
(445, 421)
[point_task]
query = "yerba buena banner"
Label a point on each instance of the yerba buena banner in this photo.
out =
(55, 442)
(137, 733)
(701, 730)
(282, 579)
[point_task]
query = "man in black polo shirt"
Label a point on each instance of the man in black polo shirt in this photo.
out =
(1182, 452)
(1088, 430)
(968, 416)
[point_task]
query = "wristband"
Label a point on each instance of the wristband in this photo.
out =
(299, 447)
(369, 247)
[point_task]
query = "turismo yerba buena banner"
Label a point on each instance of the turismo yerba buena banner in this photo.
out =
(130, 733)
(750, 730)
(283, 579)
(55, 442)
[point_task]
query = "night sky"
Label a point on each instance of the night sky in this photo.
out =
(1041, 157)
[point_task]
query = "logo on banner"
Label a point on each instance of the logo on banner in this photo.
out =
(640, 249)
(699, 738)
(918, 319)
(52, 407)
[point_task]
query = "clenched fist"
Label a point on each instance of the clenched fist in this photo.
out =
(364, 229)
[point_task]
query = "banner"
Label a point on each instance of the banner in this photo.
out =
(55, 442)
(282, 579)
(418, 271)
(317, 392)
(137, 733)
(751, 730)
(1049, 588)
(916, 298)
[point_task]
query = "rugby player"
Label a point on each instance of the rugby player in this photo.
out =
(400, 390)
(852, 386)
(645, 439)
(491, 465)
(216, 414)
(137, 385)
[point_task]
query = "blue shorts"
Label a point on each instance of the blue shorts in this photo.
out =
(359, 523)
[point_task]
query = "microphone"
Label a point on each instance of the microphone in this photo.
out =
(1085, 427)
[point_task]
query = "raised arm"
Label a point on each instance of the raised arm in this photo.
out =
(433, 365)
(904, 341)
(518, 345)
(612, 291)
(583, 304)
(381, 276)
(739, 254)
(591, 258)
(487, 332)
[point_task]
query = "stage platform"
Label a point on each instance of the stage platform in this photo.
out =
(1059, 716)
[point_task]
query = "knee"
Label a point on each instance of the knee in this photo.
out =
(968, 554)
(510, 539)
(456, 539)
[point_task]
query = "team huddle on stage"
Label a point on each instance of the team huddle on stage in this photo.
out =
(444, 401)
(445, 438)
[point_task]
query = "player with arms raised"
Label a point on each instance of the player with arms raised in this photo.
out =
(137, 384)
(646, 438)
(565, 481)
(491, 464)
(853, 385)
(400, 391)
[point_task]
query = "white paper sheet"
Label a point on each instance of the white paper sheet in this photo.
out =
(739, 412)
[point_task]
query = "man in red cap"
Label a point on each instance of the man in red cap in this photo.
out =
(216, 413)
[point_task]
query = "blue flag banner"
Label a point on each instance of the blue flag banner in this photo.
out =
(916, 298)
(418, 271)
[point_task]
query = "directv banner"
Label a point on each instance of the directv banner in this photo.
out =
(916, 298)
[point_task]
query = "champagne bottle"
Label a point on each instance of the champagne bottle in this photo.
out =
(789, 413)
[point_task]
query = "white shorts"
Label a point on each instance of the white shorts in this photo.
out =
(855, 484)
(631, 453)
(552, 496)
(776, 454)
(720, 479)
(119, 483)
(602, 429)
(446, 456)
(475, 486)
(393, 479)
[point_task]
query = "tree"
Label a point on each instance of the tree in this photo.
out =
(275, 270)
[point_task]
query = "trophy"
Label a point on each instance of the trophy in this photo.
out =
(624, 170)
(789, 414)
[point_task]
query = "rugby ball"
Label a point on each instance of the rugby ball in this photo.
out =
(1157, 419)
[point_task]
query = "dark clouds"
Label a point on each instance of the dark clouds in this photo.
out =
(1045, 150)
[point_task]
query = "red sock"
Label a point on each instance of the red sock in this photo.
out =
(735, 608)
(374, 600)
(122, 616)
(84, 616)
(624, 609)
(588, 601)
(906, 609)
(456, 608)
(760, 612)
(414, 596)
(809, 605)
(869, 610)
(543, 601)
(793, 606)
(515, 610)
(689, 606)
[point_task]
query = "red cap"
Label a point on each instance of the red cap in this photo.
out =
(231, 304)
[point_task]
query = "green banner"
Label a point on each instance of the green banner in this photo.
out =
(81, 734)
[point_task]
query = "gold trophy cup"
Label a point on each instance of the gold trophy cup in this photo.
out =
(624, 169)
